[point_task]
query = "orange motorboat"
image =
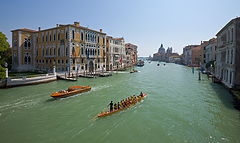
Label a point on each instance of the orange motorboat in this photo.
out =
(71, 91)
(107, 113)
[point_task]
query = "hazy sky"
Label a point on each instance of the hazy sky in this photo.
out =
(146, 23)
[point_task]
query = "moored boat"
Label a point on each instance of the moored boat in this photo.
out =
(71, 91)
(107, 113)
(140, 63)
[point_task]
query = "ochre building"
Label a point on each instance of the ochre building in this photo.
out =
(71, 48)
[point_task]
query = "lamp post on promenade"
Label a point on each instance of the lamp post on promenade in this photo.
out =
(6, 68)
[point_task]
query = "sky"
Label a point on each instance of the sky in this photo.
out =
(145, 23)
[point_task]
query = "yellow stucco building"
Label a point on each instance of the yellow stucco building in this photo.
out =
(68, 47)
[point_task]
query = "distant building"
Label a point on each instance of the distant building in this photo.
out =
(169, 51)
(227, 67)
(189, 55)
(160, 55)
(210, 55)
(161, 50)
(175, 59)
(196, 55)
(131, 54)
(201, 53)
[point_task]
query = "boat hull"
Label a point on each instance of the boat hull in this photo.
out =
(74, 92)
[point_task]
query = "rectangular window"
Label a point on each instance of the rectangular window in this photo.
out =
(230, 78)
(73, 36)
(81, 36)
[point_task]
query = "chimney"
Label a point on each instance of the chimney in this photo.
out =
(77, 23)
(100, 30)
(39, 28)
(57, 25)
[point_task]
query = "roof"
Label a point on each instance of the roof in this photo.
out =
(130, 44)
(29, 30)
(110, 37)
(229, 23)
(119, 38)
(24, 29)
(85, 28)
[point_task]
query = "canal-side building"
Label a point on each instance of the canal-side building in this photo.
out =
(189, 55)
(227, 67)
(115, 53)
(210, 55)
(201, 54)
(131, 54)
(68, 47)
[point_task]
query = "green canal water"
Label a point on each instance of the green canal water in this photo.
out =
(179, 109)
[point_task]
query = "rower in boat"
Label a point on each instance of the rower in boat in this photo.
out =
(118, 105)
(115, 106)
(111, 106)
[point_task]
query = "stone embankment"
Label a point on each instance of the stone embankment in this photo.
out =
(27, 81)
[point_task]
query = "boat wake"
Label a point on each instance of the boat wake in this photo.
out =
(120, 72)
(18, 104)
(100, 87)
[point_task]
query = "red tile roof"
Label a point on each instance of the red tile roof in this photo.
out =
(25, 29)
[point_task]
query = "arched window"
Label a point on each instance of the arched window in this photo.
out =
(82, 52)
(25, 59)
(29, 44)
(90, 52)
(29, 59)
(73, 51)
(81, 36)
(25, 42)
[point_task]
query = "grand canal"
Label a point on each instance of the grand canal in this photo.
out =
(179, 109)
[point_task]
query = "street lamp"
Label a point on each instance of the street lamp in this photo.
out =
(6, 65)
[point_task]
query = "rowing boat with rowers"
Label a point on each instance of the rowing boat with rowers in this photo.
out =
(107, 113)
